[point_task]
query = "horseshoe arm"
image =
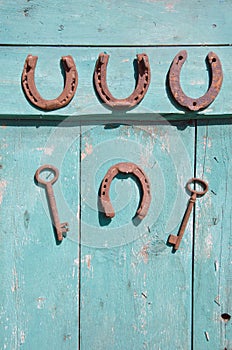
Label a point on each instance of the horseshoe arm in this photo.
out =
(125, 168)
(31, 92)
(138, 94)
(195, 104)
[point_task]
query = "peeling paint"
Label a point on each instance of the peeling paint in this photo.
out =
(88, 261)
(208, 245)
(78, 212)
(197, 82)
(3, 184)
(40, 302)
(47, 150)
(22, 337)
(76, 262)
(170, 8)
(15, 284)
(88, 150)
(144, 253)
(75, 267)
(207, 141)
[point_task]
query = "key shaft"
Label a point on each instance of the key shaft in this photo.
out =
(54, 211)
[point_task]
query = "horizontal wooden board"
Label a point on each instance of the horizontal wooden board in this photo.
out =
(134, 22)
(86, 106)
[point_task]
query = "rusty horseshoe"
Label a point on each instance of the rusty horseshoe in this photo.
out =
(125, 168)
(195, 104)
(31, 92)
(138, 94)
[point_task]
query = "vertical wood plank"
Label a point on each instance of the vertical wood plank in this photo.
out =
(213, 258)
(39, 289)
(135, 293)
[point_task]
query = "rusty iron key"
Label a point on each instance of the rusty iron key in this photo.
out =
(61, 228)
(175, 240)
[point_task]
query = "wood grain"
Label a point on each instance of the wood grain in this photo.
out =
(86, 106)
(146, 22)
(39, 279)
(212, 277)
(135, 293)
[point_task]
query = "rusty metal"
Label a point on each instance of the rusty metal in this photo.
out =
(138, 94)
(61, 228)
(31, 92)
(175, 240)
(195, 104)
(125, 168)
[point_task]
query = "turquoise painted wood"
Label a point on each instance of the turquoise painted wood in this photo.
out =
(85, 105)
(114, 285)
(212, 277)
(135, 293)
(146, 22)
(39, 279)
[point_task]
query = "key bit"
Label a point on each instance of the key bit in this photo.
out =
(64, 228)
(61, 228)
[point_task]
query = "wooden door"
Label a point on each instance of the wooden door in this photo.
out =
(114, 284)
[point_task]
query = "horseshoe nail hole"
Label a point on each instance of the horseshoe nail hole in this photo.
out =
(194, 103)
(106, 180)
(104, 186)
(214, 59)
(103, 193)
(225, 317)
(180, 58)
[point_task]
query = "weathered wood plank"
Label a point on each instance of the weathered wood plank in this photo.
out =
(136, 22)
(135, 293)
(39, 279)
(213, 260)
(85, 105)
